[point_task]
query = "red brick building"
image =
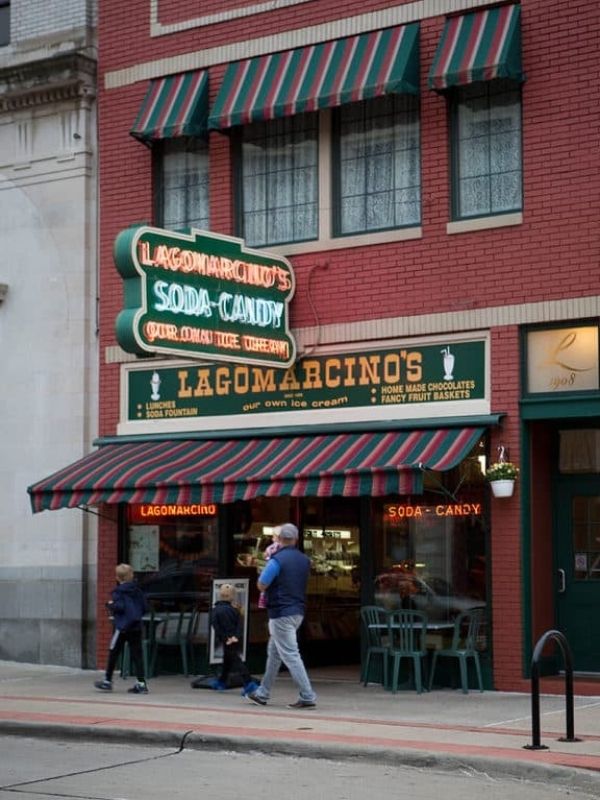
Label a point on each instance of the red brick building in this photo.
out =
(430, 172)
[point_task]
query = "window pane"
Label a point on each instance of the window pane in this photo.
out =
(506, 192)
(280, 181)
(4, 23)
(184, 184)
(377, 161)
(474, 156)
(487, 150)
(474, 197)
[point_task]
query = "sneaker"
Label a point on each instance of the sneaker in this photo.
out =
(303, 704)
(138, 688)
(249, 688)
(218, 686)
(104, 686)
(256, 698)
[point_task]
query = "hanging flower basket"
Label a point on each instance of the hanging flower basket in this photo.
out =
(502, 488)
(502, 476)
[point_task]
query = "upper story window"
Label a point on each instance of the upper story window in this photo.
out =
(327, 141)
(341, 172)
(486, 149)
(182, 181)
(279, 180)
(4, 22)
(172, 120)
(377, 184)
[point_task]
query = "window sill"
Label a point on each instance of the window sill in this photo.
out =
(484, 223)
(344, 242)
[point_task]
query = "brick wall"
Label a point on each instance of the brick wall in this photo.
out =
(552, 255)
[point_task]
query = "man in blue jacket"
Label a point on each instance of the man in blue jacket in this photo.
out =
(284, 581)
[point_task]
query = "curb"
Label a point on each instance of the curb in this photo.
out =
(568, 777)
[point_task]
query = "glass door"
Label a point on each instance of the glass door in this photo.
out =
(330, 537)
(577, 547)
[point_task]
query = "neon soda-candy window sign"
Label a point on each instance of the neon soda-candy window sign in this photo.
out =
(399, 512)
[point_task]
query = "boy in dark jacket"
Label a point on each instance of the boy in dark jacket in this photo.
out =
(227, 621)
(127, 607)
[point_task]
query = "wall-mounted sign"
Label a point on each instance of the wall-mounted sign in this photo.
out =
(403, 376)
(204, 296)
(144, 547)
(563, 359)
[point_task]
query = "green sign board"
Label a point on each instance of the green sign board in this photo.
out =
(402, 376)
(204, 296)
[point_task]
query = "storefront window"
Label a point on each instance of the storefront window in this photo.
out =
(174, 555)
(430, 552)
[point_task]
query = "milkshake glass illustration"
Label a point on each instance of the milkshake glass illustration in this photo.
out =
(155, 386)
(448, 364)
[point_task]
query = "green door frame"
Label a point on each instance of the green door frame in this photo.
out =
(569, 411)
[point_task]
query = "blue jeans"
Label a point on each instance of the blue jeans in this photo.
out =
(283, 647)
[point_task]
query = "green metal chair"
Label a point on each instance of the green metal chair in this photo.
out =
(464, 646)
(171, 632)
(407, 631)
(374, 621)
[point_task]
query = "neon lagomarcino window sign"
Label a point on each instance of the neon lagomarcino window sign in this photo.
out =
(202, 295)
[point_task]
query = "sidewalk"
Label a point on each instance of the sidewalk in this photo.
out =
(443, 729)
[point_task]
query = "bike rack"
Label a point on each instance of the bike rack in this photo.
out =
(535, 690)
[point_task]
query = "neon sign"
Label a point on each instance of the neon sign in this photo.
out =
(204, 296)
(154, 511)
(396, 513)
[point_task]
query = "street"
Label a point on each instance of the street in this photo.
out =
(37, 768)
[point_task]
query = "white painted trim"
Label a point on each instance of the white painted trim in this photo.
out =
(158, 29)
(325, 188)
(572, 308)
(345, 242)
(447, 322)
(484, 223)
(281, 419)
(299, 37)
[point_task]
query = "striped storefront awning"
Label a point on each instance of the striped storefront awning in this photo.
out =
(479, 47)
(224, 470)
(320, 76)
(173, 106)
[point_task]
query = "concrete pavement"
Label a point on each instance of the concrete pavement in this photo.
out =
(445, 728)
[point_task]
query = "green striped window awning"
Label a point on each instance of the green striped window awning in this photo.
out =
(174, 106)
(480, 46)
(222, 471)
(319, 76)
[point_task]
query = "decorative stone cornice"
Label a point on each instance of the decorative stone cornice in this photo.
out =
(47, 81)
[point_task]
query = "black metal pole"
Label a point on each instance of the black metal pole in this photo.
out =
(535, 708)
(570, 712)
